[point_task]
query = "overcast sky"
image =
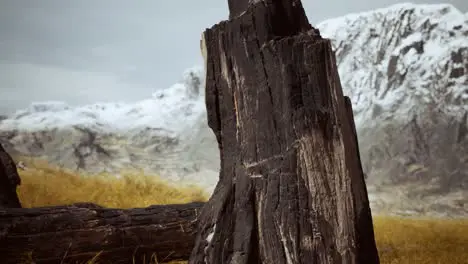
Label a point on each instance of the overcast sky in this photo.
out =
(84, 51)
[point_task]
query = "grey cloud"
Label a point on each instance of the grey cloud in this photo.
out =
(57, 83)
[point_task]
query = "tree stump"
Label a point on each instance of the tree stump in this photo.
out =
(291, 187)
(9, 180)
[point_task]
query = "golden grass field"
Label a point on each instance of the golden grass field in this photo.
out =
(400, 240)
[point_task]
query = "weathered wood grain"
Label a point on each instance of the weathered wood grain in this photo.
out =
(291, 188)
(77, 233)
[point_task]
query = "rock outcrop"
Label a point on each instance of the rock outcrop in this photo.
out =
(406, 70)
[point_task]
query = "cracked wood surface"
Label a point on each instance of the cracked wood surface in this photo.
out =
(291, 186)
(77, 233)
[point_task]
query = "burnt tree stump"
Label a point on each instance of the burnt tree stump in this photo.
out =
(9, 180)
(291, 187)
(81, 232)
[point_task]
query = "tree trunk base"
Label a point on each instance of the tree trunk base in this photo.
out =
(291, 187)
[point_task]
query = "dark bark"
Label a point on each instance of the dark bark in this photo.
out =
(9, 180)
(77, 233)
(291, 187)
(363, 218)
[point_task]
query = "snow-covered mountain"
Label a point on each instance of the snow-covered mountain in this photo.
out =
(405, 68)
(394, 61)
(171, 109)
(158, 135)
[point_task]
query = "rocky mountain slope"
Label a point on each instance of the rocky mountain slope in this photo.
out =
(405, 68)
(157, 135)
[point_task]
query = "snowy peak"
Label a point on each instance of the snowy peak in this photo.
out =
(395, 61)
(170, 109)
(155, 134)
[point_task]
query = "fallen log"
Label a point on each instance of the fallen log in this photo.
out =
(80, 232)
(291, 187)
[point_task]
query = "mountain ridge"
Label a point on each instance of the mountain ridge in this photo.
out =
(405, 68)
(397, 69)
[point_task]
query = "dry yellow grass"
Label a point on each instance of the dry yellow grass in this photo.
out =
(400, 240)
(44, 185)
(421, 241)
